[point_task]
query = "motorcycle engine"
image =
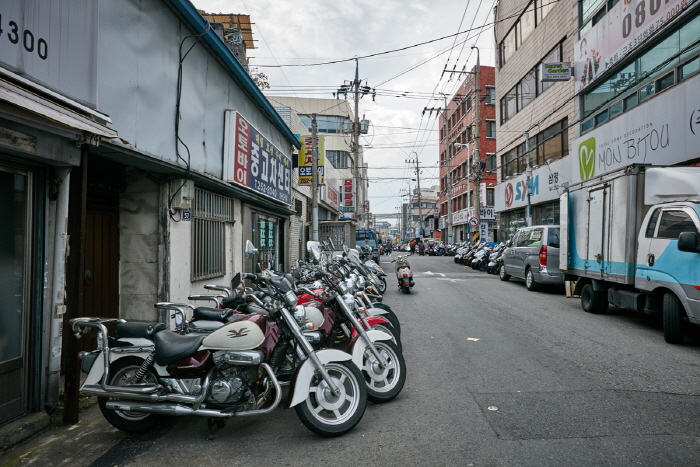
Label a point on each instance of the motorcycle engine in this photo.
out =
(231, 382)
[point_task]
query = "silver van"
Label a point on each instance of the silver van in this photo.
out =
(533, 255)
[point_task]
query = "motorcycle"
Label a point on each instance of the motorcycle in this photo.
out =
(441, 250)
(147, 372)
(404, 275)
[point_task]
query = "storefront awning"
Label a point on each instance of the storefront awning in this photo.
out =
(51, 111)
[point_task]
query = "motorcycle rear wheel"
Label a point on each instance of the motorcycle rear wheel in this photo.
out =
(121, 373)
(327, 415)
(384, 384)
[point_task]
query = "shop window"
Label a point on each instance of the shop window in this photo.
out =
(616, 109)
(210, 215)
(665, 82)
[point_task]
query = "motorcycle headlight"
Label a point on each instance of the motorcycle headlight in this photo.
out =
(343, 288)
(290, 298)
(361, 282)
(349, 300)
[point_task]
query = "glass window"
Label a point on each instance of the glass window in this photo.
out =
(528, 89)
(587, 125)
(646, 92)
(543, 8)
(509, 105)
(616, 109)
(673, 223)
(688, 35)
(490, 129)
(665, 82)
(527, 21)
(490, 95)
(659, 54)
(601, 117)
(491, 163)
(651, 228)
(553, 239)
(508, 46)
(589, 8)
(689, 69)
(631, 101)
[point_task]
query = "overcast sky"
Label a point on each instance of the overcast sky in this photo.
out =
(316, 31)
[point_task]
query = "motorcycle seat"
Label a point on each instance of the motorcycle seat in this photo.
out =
(135, 329)
(212, 314)
(171, 347)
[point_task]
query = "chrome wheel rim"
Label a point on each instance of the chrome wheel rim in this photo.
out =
(331, 409)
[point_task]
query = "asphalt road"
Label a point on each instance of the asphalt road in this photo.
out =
(497, 376)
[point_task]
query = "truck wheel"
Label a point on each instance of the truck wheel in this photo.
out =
(673, 319)
(592, 301)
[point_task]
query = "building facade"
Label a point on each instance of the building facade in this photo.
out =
(135, 169)
(467, 159)
(631, 97)
(534, 118)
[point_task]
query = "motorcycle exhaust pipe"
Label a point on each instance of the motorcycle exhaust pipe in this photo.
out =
(182, 410)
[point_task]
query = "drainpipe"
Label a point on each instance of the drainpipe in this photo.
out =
(58, 287)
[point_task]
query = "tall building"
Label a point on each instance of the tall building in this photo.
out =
(533, 117)
(467, 158)
(632, 96)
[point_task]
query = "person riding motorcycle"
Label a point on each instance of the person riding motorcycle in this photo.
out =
(421, 248)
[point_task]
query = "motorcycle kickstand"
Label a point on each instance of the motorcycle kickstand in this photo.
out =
(214, 424)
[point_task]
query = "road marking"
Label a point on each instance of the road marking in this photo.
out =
(448, 279)
(472, 339)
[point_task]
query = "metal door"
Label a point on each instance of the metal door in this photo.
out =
(595, 239)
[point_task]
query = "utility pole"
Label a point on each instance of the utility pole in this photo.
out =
(528, 171)
(314, 178)
(421, 231)
(358, 91)
(477, 128)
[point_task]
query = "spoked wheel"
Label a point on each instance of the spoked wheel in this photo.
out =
(327, 414)
(383, 384)
(122, 373)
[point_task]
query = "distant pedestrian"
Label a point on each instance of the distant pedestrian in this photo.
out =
(412, 246)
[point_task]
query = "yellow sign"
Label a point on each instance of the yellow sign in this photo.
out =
(306, 159)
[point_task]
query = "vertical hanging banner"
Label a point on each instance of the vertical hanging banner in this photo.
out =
(348, 196)
(252, 161)
(332, 197)
(305, 161)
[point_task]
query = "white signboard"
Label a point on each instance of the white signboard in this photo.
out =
(487, 214)
(53, 43)
(621, 31)
(460, 217)
(660, 132)
(555, 71)
(547, 183)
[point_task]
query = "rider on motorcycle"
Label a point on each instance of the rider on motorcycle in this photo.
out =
(421, 248)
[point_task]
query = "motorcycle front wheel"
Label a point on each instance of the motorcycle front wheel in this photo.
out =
(122, 373)
(382, 286)
(383, 384)
(328, 415)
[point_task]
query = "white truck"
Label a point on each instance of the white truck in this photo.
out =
(631, 238)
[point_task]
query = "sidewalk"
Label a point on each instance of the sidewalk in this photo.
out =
(77, 445)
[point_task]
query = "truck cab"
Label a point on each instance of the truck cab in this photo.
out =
(662, 267)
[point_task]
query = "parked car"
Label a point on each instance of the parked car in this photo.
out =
(533, 255)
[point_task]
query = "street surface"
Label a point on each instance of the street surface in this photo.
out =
(497, 376)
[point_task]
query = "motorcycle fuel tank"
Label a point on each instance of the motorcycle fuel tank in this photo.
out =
(244, 334)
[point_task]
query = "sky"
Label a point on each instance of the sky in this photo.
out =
(408, 80)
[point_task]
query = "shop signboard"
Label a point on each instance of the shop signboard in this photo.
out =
(53, 44)
(332, 197)
(252, 161)
(662, 131)
(624, 28)
(546, 183)
(460, 217)
(305, 159)
(348, 196)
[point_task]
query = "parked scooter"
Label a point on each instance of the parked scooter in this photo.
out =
(404, 275)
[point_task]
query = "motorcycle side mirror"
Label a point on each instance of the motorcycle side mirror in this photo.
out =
(250, 249)
(236, 281)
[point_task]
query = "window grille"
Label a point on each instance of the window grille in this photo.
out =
(210, 214)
